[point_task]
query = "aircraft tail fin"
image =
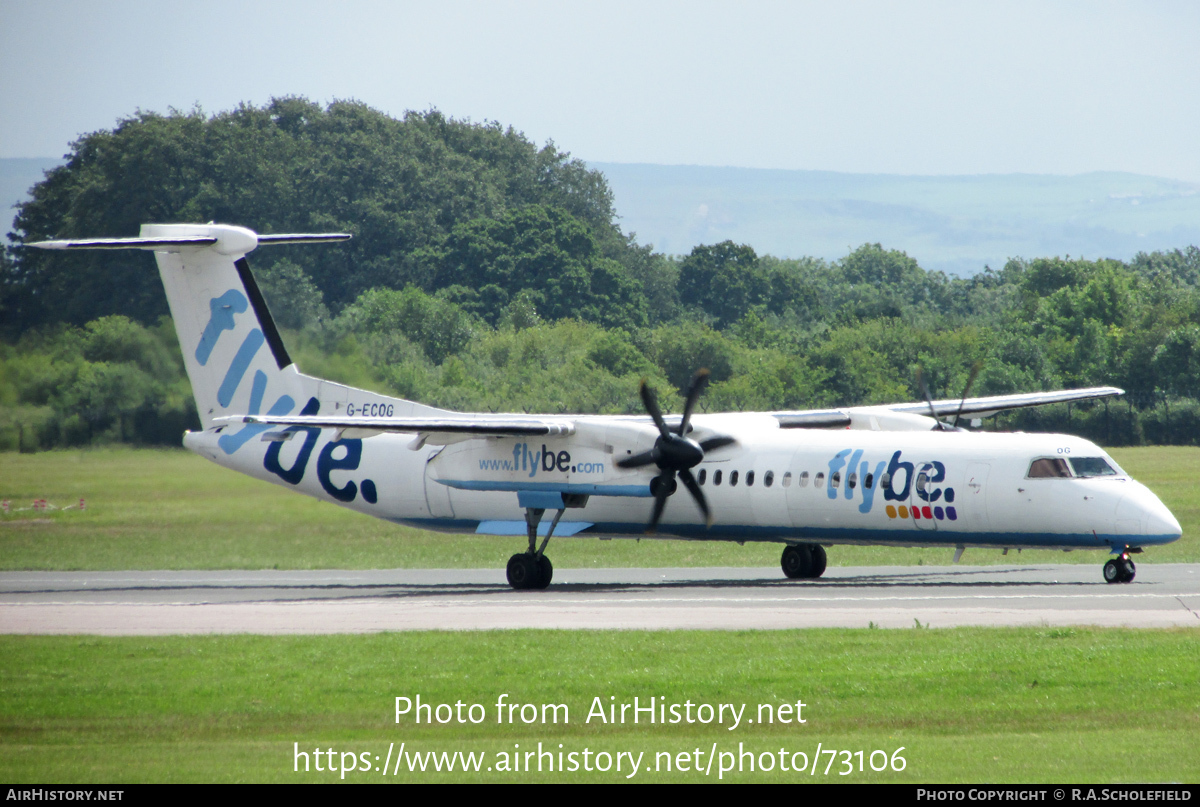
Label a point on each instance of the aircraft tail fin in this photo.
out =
(235, 358)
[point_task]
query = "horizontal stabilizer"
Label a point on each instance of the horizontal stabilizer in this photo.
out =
(225, 239)
(157, 244)
(302, 238)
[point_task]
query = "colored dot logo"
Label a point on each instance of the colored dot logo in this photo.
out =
(925, 512)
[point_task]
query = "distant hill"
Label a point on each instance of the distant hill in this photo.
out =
(957, 224)
(953, 223)
(17, 176)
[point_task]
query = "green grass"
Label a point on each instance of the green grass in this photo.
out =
(170, 509)
(967, 705)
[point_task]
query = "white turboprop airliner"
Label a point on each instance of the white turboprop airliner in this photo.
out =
(809, 479)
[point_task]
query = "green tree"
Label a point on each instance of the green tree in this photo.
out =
(725, 280)
(400, 186)
(543, 249)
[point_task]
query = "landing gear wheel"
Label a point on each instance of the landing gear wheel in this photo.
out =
(818, 560)
(545, 572)
(523, 571)
(1128, 570)
(797, 561)
(1120, 570)
(1112, 572)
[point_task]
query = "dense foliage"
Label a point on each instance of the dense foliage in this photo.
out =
(488, 274)
(420, 194)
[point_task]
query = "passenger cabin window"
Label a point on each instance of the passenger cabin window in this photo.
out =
(787, 479)
(703, 475)
(852, 480)
(717, 477)
(733, 475)
(1092, 466)
(1049, 468)
(867, 482)
(749, 478)
(804, 479)
(768, 479)
(836, 479)
(818, 480)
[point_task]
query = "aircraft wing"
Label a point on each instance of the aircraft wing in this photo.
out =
(976, 407)
(444, 430)
(435, 430)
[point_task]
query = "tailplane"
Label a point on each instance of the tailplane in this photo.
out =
(235, 358)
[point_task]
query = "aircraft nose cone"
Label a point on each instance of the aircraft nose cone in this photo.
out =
(1162, 524)
(1158, 524)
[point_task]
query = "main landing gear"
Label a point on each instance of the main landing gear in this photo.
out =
(532, 569)
(803, 561)
(1120, 569)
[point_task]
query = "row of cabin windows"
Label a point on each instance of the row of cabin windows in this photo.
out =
(1047, 467)
(802, 480)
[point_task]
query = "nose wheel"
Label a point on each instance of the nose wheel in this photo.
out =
(1120, 570)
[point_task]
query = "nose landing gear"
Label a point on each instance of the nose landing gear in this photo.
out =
(1120, 570)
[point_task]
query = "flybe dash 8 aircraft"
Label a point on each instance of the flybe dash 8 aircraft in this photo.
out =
(895, 475)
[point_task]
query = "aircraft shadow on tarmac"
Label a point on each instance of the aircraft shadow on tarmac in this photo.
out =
(966, 580)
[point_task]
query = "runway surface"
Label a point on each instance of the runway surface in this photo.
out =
(148, 603)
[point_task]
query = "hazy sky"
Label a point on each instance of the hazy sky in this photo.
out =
(915, 88)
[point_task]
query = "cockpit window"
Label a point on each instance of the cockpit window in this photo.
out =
(1092, 466)
(1049, 468)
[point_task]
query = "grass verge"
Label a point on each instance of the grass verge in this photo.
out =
(967, 705)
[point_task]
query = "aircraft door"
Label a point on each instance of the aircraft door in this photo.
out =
(807, 505)
(925, 494)
(971, 503)
(768, 498)
(437, 495)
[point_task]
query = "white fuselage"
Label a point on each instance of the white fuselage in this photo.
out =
(887, 479)
(847, 486)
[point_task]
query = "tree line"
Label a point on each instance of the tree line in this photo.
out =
(489, 274)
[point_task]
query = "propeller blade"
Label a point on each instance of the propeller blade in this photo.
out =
(660, 501)
(928, 399)
(650, 401)
(714, 443)
(697, 385)
(967, 390)
(689, 482)
(638, 460)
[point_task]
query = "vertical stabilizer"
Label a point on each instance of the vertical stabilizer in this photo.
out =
(234, 355)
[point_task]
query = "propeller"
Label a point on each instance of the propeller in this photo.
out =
(674, 453)
(967, 390)
(929, 400)
(975, 368)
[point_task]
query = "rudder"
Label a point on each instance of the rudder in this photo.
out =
(233, 353)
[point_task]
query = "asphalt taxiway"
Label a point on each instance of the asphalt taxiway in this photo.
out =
(276, 602)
